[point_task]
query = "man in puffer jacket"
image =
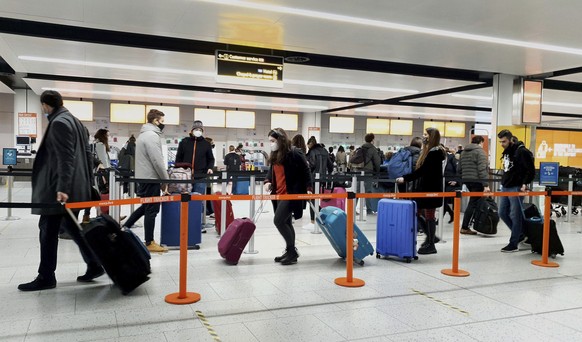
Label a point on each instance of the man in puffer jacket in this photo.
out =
(472, 167)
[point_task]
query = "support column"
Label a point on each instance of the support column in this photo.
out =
(311, 119)
(501, 114)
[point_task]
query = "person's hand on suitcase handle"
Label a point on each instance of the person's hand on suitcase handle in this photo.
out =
(400, 180)
(267, 188)
(62, 197)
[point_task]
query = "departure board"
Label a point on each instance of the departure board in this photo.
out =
(249, 69)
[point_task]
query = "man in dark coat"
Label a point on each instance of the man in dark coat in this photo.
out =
(196, 151)
(61, 172)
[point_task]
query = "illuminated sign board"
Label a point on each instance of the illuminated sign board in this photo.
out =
(249, 69)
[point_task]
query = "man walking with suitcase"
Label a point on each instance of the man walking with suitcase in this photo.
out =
(62, 172)
(518, 164)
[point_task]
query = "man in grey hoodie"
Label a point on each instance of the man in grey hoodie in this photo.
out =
(149, 164)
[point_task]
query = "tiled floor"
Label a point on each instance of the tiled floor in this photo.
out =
(504, 299)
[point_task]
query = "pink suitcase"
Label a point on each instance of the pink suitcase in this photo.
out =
(235, 238)
(334, 202)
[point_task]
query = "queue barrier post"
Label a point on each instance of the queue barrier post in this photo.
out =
(317, 202)
(455, 271)
(10, 184)
(349, 280)
(183, 297)
(252, 214)
(546, 238)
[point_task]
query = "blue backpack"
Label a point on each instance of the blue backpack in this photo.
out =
(400, 164)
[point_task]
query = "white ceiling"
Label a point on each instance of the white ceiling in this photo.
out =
(541, 24)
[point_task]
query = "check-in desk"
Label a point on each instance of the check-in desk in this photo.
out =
(24, 163)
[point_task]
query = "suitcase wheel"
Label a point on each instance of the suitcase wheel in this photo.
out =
(377, 255)
(408, 260)
(564, 211)
(361, 262)
(553, 256)
(416, 258)
(558, 214)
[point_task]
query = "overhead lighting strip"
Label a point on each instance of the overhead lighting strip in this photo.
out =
(393, 26)
(394, 112)
(154, 98)
(206, 74)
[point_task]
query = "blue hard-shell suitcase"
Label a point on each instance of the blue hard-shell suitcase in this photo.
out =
(241, 188)
(396, 229)
(170, 232)
(333, 225)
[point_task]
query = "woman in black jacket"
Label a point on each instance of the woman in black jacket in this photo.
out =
(288, 174)
(429, 173)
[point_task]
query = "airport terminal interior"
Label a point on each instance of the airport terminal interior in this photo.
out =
(334, 70)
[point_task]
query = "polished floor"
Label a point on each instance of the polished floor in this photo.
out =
(504, 299)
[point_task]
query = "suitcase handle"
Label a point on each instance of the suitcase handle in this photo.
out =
(72, 216)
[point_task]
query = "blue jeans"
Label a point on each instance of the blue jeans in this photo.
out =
(511, 212)
(371, 203)
(199, 188)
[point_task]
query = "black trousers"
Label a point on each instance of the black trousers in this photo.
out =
(150, 211)
(282, 220)
(49, 226)
(473, 187)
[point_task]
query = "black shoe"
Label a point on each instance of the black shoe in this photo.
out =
(509, 249)
(428, 249)
(92, 273)
(290, 258)
(40, 283)
(279, 258)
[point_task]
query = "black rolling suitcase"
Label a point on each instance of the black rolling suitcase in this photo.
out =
(123, 256)
(533, 229)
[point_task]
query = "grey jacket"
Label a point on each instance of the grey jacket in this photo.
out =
(473, 164)
(149, 160)
(62, 163)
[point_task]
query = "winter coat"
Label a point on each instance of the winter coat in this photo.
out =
(319, 161)
(203, 158)
(102, 154)
(430, 178)
(451, 174)
(518, 166)
(340, 158)
(297, 178)
(232, 161)
(62, 163)
(473, 164)
(149, 160)
(372, 158)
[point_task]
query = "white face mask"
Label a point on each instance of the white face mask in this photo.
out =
(197, 133)
(274, 146)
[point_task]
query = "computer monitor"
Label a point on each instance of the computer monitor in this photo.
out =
(22, 140)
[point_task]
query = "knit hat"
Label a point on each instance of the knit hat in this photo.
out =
(198, 124)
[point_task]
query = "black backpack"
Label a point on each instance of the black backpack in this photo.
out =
(486, 216)
(359, 156)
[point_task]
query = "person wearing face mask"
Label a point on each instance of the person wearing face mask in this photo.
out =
(149, 164)
(62, 172)
(288, 174)
(196, 151)
(429, 177)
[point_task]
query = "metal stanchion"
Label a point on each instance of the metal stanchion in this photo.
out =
(442, 218)
(455, 271)
(252, 190)
(10, 184)
(223, 207)
(317, 191)
(355, 190)
(570, 188)
(132, 195)
(113, 210)
(362, 189)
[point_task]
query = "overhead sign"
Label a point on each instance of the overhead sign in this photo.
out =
(9, 156)
(249, 69)
(549, 173)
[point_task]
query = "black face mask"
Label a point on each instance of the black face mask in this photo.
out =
(161, 126)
